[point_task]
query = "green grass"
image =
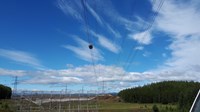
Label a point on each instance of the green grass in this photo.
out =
(5, 106)
(103, 106)
(133, 107)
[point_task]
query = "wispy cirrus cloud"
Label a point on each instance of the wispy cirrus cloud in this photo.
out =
(137, 28)
(114, 32)
(22, 57)
(110, 12)
(106, 43)
(75, 9)
(83, 52)
(95, 15)
(102, 22)
(72, 8)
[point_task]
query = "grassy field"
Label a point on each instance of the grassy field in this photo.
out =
(133, 107)
(6, 106)
(104, 106)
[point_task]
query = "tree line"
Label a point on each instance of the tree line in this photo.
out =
(5, 92)
(181, 92)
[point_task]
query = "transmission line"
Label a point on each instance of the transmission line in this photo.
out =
(90, 44)
(132, 55)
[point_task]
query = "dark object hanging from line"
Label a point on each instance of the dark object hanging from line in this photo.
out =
(90, 46)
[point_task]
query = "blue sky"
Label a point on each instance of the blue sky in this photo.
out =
(45, 43)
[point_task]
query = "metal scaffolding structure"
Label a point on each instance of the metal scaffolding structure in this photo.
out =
(56, 101)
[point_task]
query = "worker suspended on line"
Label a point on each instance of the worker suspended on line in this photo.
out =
(90, 46)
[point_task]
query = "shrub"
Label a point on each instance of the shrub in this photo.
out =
(155, 108)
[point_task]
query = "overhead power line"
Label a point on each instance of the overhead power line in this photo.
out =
(132, 54)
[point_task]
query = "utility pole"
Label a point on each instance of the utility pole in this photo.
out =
(15, 85)
(66, 89)
(103, 88)
(60, 101)
(66, 96)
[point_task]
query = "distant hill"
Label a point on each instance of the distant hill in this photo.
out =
(5, 92)
(181, 92)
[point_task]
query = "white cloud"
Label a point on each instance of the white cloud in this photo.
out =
(142, 38)
(6, 72)
(181, 21)
(139, 48)
(52, 80)
(106, 43)
(112, 76)
(185, 53)
(77, 75)
(83, 52)
(21, 57)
